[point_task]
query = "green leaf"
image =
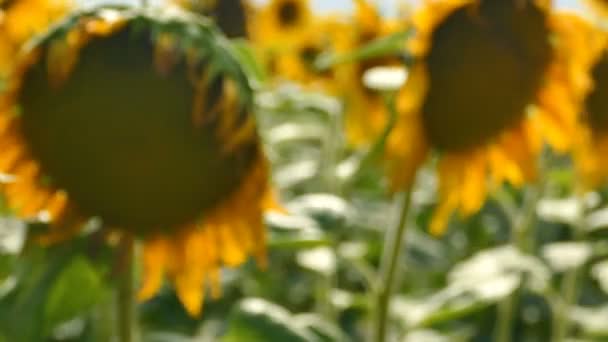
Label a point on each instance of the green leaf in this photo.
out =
(383, 46)
(329, 210)
(321, 260)
(21, 311)
(246, 57)
(256, 320)
(563, 210)
(565, 256)
(324, 330)
(74, 292)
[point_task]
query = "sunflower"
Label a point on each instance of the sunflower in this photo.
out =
(229, 15)
(277, 24)
(599, 6)
(366, 113)
(21, 19)
(141, 119)
(297, 62)
(593, 126)
(490, 84)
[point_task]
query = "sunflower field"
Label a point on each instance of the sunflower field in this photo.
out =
(303, 170)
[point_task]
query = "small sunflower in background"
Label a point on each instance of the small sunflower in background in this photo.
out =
(485, 93)
(296, 63)
(599, 6)
(143, 120)
(280, 21)
(21, 19)
(230, 15)
(366, 113)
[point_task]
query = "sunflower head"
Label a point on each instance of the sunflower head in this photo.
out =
(482, 92)
(288, 13)
(366, 114)
(470, 99)
(230, 15)
(596, 103)
(594, 129)
(599, 6)
(143, 120)
(297, 61)
(280, 22)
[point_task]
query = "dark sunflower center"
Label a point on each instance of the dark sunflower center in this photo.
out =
(120, 138)
(308, 54)
(289, 13)
(485, 65)
(597, 101)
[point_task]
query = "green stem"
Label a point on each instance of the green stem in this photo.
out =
(125, 297)
(393, 246)
(505, 319)
(561, 310)
(377, 148)
(522, 238)
(570, 289)
(330, 154)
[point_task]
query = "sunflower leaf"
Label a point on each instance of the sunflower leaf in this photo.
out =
(256, 320)
(387, 45)
(76, 290)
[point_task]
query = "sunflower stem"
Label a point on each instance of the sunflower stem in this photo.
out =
(375, 151)
(393, 246)
(561, 311)
(125, 297)
(522, 238)
(570, 288)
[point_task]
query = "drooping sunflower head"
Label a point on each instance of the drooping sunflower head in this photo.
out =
(143, 120)
(485, 64)
(594, 129)
(492, 81)
(596, 104)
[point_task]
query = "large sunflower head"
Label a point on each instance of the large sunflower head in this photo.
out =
(596, 105)
(593, 129)
(485, 63)
(485, 92)
(143, 120)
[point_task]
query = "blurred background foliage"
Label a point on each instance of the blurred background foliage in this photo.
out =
(324, 253)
